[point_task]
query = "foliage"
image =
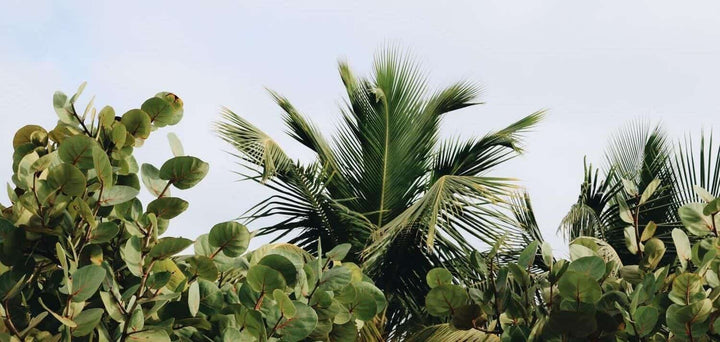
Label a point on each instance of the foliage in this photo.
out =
(405, 200)
(592, 296)
(83, 259)
(636, 156)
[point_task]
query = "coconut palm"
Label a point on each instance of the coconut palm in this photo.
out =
(405, 199)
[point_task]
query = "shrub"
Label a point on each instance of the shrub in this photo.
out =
(81, 258)
(592, 297)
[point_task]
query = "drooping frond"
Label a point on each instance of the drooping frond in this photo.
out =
(252, 144)
(447, 198)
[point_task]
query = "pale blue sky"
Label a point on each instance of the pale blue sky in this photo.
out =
(594, 65)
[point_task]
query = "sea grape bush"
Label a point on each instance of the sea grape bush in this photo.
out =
(592, 296)
(81, 258)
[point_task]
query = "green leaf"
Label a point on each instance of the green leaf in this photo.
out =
(286, 306)
(169, 246)
(203, 267)
(649, 191)
(231, 237)
(167, 207)
(547, 254)
(131, 253)
(282, 265)
(64, 320)
(104, 232)
(30, 134)
(300, 325)
(654, 251)
(335, 278)
(184, 172)
(579, 287)
(194, 298)
(687, 288)
(77, 150)
(630, 187)
(86, 281)
(704, 194)
(160, 111)
(87, 321)
(102, 166)
(339, 252)
(682, 245)
(137, 320)
(688, 320)
(443, 300)
(67, 178)
(63, 108)
(137, 123)
(112, 307)
(117, 194)
(151, 179)
(438, 276)
(625, 213)
(149, 336)
(527, 256)
(648, 232)
(712, 208)
(592, 266)
(175, 145)
(645, 319)
(265, 279)
(631, 239)
(693, 219)
(106, 116)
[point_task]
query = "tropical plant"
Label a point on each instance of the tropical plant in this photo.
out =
(82, 259)
(592, 297)
(405, 199)
(636, 156)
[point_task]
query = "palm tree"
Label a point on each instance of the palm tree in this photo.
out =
(638, 154)
(405, 199)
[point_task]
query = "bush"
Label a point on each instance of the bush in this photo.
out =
(81, 258)
(592, 297)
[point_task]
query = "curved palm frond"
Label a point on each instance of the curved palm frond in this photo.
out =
(444, 332)
(252, 144)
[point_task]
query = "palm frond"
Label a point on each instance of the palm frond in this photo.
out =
(696, 165)
(252, 144)
(444, 333)
(475, 157)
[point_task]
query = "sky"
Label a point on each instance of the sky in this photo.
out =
(595, 66)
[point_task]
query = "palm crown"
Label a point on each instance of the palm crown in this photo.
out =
(386, 182)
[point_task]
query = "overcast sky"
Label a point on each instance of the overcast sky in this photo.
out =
(594, 65)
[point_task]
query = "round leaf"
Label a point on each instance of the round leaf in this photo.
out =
(438, 276)
(592, 266)
(167, 207)
(67, 178)
(579, 287)
(265, 279)
(184, 172)
(231, 237)
(444, 299)
(77, 150)
(137, 123)
(86, 281)
(169, 246)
